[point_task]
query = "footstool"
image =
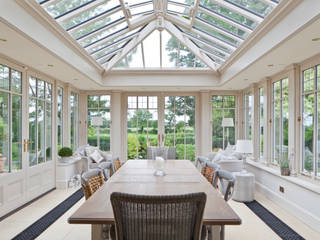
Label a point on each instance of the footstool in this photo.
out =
(244, 187)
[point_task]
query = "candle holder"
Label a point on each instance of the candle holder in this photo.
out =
(159, 163)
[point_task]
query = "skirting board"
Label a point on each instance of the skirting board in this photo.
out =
(305, 216)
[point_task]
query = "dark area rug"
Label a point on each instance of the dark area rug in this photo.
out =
(38, 227)
(283, 230)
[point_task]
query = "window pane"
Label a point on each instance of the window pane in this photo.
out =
(135, 58)
(132, 134)
(32, 87)
(16, 81)
(229, 102)
(318, 129)
(217, 101)
(60, 117)
(16, 132)
(276, 131)
(48, 91)
(308, 79)
(132, 102)
(169, 50)
(4, 128)
(217, 130)
(40, 89)
(104, 101)
(318, 76)
(142, 102)
(277, 90)
(261, 121)
(4, 77)
(41, 132)
(92, 130)
(285, 88)
(151, 46)
(48, 132)
(93, 101)
(153, 102)
(285, 118)
(105, 130)
(307, 123)
(32, 132)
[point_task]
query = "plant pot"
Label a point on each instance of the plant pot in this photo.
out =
(65, 159)
(2, 161)
(285, 171)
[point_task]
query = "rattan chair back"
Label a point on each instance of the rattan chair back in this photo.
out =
(116, 165)
(106, 168)
(91, 181)
(227, 181)
(158, 217)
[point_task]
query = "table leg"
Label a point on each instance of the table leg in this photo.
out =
(222, 232)
(96, 232)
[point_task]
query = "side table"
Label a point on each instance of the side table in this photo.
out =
(244, 187)
(66, 171)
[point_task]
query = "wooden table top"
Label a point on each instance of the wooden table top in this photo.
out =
(136, 177)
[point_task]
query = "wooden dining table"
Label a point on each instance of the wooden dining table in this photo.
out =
(137, 177)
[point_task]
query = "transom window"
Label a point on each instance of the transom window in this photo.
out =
(203, 34)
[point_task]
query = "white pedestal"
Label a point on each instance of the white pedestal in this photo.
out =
(65, 171)
(244, 187)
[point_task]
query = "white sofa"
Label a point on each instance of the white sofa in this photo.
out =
(228, 159)
(90, 163)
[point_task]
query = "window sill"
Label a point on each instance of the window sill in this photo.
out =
(302, 181)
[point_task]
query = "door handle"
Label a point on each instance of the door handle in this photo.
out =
(24, 145)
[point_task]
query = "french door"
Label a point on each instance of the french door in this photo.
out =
(159, 120)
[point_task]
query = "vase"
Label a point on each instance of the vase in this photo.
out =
(159, 166)
(285, 171)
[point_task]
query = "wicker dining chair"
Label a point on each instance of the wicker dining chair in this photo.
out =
(106, 168)
(116, 164)
(224, 177)
(208, 171)
(176, 217)
(91, 181)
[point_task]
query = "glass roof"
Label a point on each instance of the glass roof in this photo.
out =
(203, 33)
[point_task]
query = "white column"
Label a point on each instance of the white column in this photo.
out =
(266, 118)
(116, 125)
(83, 119)
(240, 118)
(205, 141)
(268, 122)
(66, 115)
(294, 135)
(255, 123)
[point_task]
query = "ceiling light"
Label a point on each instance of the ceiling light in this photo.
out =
(316, 39)
(270, 65)
(246, 79)
(3, 40)
(75, 79)
(50, 65)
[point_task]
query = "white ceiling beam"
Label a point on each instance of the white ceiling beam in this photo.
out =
(190, 45)
(208, 45)
(94, 20)
(270, 3)
(238, 10)
(223, 32)
(182, 22)
(125, 12)
(220, 17)
(160, 6)
(131, 45)
(194, 11)
(81, 10)
(102, 30)
(142, 20)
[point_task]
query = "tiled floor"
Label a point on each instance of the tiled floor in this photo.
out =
(252, 227)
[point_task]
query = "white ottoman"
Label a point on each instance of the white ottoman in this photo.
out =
(244, 187)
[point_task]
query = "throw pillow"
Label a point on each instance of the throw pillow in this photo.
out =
(89, 150)
(95, 156)
(107, 156)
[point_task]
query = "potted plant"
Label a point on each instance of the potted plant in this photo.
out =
(2, 161)
(65, 153)
(284, 168)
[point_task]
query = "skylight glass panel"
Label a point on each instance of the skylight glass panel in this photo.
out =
(102, 34)
(183, 10)
(222, 11)
(121, 64)
(135, 58)
(135, 2)
(210, 50)
(65, 6)
(257, 7)
(169, 50)
(141, 9)
(91, 13)
(151, 47)
(222, 25)
(187, 58)
(96, 25)
(210, 31)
